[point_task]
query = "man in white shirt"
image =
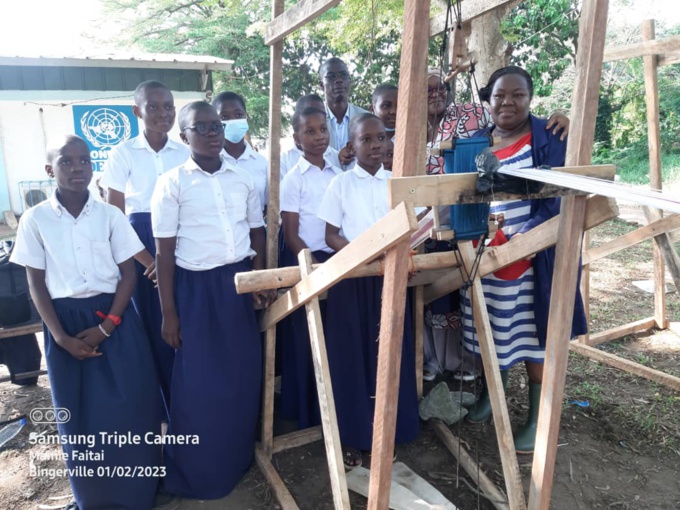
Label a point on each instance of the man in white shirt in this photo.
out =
(335, 81)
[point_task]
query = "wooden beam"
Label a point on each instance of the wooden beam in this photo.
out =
(297, 16)
(283, 495)
(600, 209)
(298, 438)
(620, 331)
(36, 327)
(419, 331)
(409, 155)
(668, 59)
(670, 256)
(645, 48)
(627, 366)
(639, 235)
(324, 388)
(288, 276)
(470, 9)
(448, 189)
(592, 30)
(655, 180)
(492, 373)
(585, 286)
(275, 94)
(396, 226)
(471, 467)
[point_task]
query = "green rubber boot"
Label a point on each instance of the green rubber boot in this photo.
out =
(526, 436)
(481, 411)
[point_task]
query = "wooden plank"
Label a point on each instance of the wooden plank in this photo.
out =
(663, 241)
(621, 331)
(651, 76)
(471, 467)
(668, 59)
(297, 16)
(645, 48)
(585, 287)
(499, 407)
(275, 94)
(627, 366)
(409, 155)
(36, 327)
(406, 477)
(655, 228)
(592, 30)
(251, 281)
(419, 327)
(396, 226)
(431, 190)
(600, 209)
(470, 9)
(297, 438)
(324, 388)
(283, 495)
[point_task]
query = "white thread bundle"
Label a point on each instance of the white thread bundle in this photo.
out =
(651, 198)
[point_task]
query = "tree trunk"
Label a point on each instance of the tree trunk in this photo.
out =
(486, 43)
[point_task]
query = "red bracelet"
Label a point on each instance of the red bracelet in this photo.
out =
(113, 318)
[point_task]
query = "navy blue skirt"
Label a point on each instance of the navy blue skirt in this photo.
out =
(216, 384)
(115, 393)
(299, 399)
(148, 306)
(352, 331)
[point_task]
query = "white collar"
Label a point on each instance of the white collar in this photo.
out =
(59, 209)
(331, 115)
(140, 142)
(305, 165)
(248, 153)
(191, 166)
(381, 174)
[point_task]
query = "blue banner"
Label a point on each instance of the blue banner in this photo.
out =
(103, 127)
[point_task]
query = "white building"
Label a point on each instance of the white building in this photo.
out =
(41, 98)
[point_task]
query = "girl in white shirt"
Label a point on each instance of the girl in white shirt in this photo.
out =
(354, 201)
(78, 253)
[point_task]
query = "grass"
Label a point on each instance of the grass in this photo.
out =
(632, 166)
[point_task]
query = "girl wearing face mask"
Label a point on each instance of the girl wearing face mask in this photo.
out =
(232, 110)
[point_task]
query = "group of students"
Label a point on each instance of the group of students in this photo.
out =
(195, 219)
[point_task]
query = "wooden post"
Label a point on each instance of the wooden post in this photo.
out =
(492, 373)
(585, 288)
(275, 91)
(409, 156)
(655, 180)
(419, 330)
(324, 388)
(592, 30)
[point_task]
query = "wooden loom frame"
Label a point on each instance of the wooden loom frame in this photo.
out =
(392, 234)
(655, 53)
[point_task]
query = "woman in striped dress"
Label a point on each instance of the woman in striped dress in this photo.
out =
(518, 296)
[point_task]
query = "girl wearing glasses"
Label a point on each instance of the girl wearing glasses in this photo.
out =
(207, 221)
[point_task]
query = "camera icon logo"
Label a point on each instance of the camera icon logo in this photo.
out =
(51, 415)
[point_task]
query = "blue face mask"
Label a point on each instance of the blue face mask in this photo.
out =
(235, 130)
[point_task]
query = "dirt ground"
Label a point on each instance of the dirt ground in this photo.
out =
(620, 451)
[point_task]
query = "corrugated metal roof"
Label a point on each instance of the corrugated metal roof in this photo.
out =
(123, 60)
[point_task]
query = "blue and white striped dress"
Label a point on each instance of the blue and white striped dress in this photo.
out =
(510, 303)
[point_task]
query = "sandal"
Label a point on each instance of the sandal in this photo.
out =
(465, 375)
(352, 458)
(428, 376)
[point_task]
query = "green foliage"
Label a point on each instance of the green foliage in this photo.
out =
(544, 34)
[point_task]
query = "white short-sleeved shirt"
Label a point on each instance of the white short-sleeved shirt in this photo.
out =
(133, 167)
(290, 158)
(210, 214)
(302, 191)
(80, 256)
(258, 167)
(355, 200)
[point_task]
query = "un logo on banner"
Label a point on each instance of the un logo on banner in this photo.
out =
(105, 127)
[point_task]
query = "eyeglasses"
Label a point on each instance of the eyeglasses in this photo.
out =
(204, 129)
(343, 75)
(436, 91)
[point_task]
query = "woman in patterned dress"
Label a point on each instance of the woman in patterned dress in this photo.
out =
(518, 297)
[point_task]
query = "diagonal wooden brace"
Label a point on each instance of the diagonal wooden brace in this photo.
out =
(396, 226)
